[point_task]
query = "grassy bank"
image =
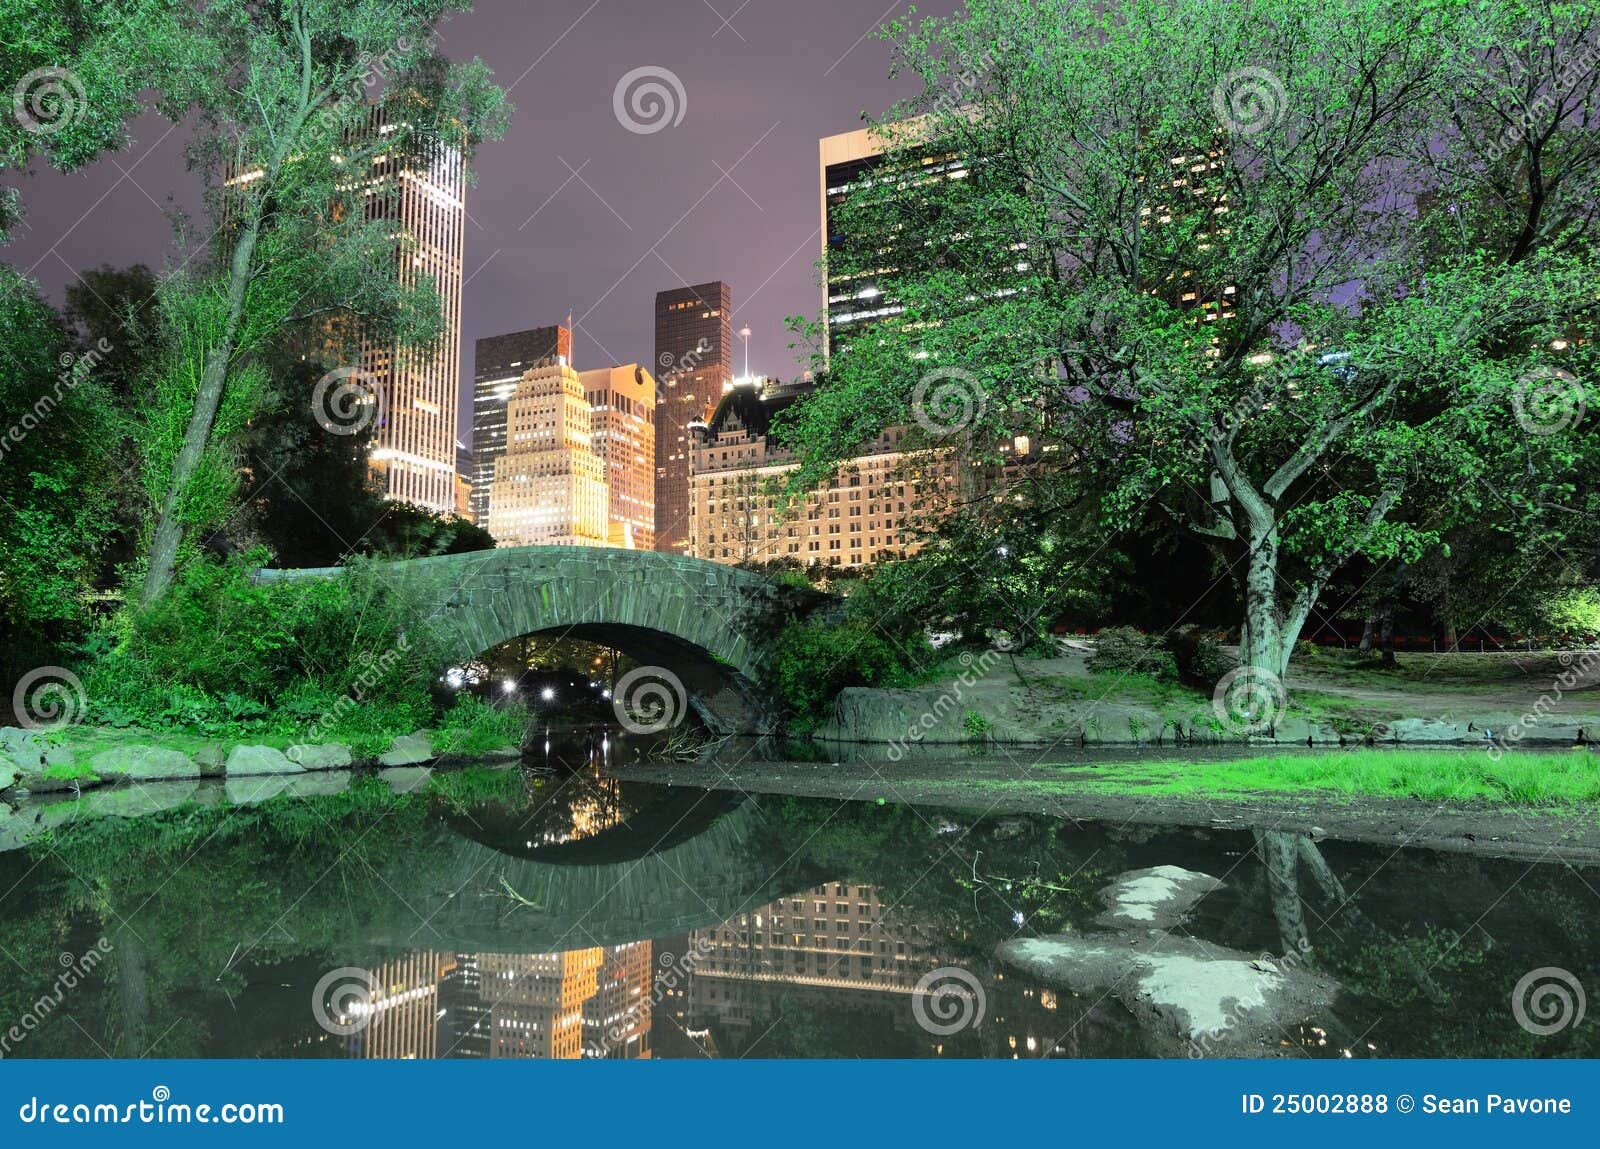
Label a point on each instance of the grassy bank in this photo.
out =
(1566, 780)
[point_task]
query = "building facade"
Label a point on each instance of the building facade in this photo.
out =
(863, 514)
(415, 449)
(549, 485)
(694, 362)
(622, 402)
(499, 362)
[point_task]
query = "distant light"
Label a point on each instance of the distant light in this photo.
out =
(1018, 918)
(508, 686)
(605, 694)
(548, 694)
(455, 679)
(1005, 552)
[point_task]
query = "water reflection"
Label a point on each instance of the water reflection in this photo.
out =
(550, 911)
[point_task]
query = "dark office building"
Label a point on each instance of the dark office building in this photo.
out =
(694, 362)
(498, 365)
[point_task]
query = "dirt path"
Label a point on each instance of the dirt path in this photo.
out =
(1005, 789)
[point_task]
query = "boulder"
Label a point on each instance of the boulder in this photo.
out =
(331, 756)
(1426, 730)
(9, 771)
(1155, 899)
(409, 750)
(210, 757)
(143, 764)
(251, 761)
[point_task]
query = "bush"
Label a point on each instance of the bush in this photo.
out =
(1198, 657)
(222, 653)
(815, 662)
(1123, 650)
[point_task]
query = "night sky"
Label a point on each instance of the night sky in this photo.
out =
(572, 211)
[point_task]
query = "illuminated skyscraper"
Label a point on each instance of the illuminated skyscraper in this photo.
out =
(415, 449)
(499, 362)
(549, 486)
(401, 1019)
(537, 1001)
(623, 405)
(694, 362)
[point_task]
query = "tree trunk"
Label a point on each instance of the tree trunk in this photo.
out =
(168, 534)
(1264, 643)
(1369, 633)
(1386, 633)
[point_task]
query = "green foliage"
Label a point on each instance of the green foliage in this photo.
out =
(1124, 650)
(976, 726)
(59, 476)
(1573, 613)
(814, 662)
(1197, 657)
(1243, 326)
(473, 726)
(223, 652)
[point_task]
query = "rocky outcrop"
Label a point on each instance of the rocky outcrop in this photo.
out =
(332, 756)
(143, 764)
(251, 761)
(409, 750)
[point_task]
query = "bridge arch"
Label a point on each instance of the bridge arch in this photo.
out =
(712, 626)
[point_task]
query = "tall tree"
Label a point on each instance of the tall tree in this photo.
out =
(290, 145)
(1235, 288)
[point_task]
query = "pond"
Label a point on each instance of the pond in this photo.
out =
(548, 910)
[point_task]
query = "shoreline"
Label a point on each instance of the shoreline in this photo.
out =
(1472, 826)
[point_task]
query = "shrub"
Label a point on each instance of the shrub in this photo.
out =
(815, 662)
(1123, 650)
(1198, 657)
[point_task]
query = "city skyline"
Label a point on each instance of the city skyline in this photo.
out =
(560, 220)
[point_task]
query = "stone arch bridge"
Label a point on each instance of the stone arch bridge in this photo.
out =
(712, 626)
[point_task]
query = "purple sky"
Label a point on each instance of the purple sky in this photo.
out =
(572, 211)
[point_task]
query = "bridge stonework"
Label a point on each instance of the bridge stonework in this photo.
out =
(660, 609)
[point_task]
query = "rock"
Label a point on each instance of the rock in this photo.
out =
(1218, 1001)
(409, 750)
(1297, 730)
(331, 756)
(9, 771)
(25, 750)
(250, 761)
(405, 779)
(143, 764)
(1426, 730)
(1156, 899)
(210, 759)
(52, 781)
